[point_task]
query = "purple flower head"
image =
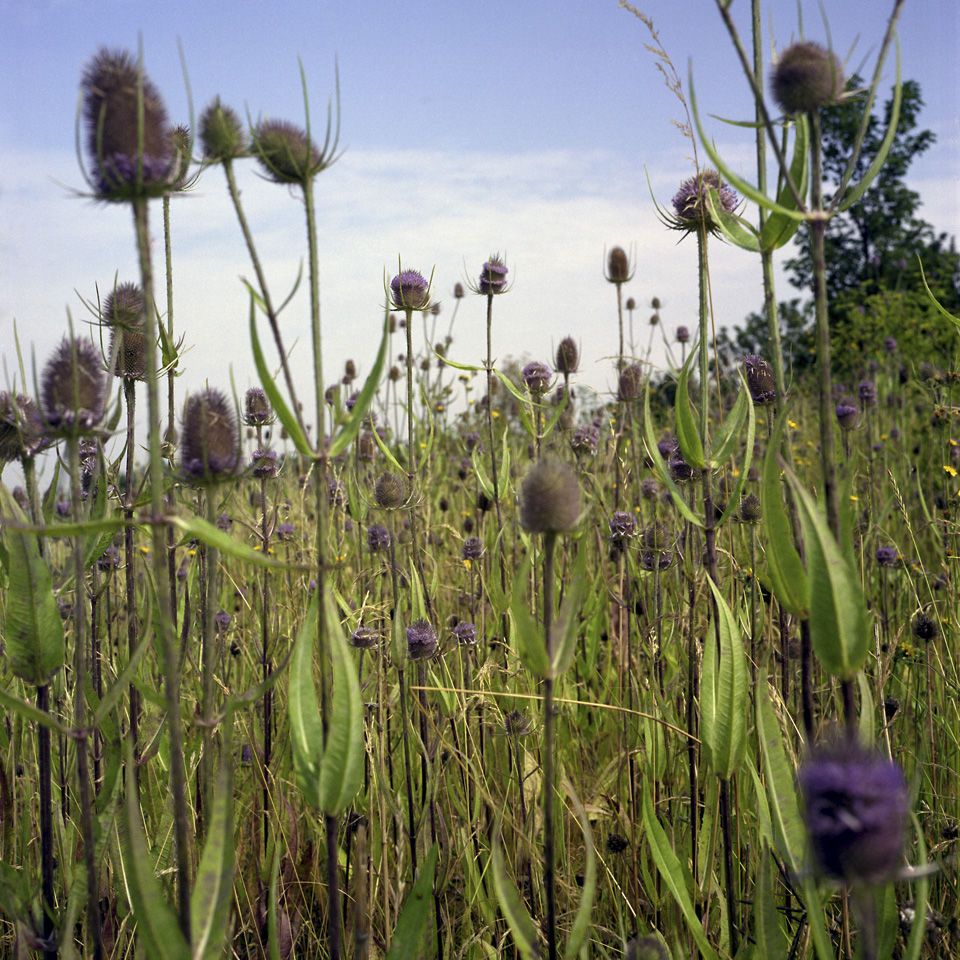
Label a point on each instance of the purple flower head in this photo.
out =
(867, 392)
(421, 640)
(856, 808)
(264, 464)
(888, 556)
(378, 538)
(472, 548)
(63, 508)
(286, 531)
(410, 290)
(222, 620)
(21, 428)
(123, 313)
(585, 440)
(209, 442)
(630, 383)
(537, 377)
(466, 633)
(256, 408)
(363, 638)
(683, 334)
(109, 559)
(656, 559)
(668, 445)
(128, 157)
(890, 344)
(284, 153)
(649, 488)
(847, 415)
(680, 470)
(73, 388)
(622, 525)
(760, 380)
(224, 522)
(690, 205)
(493, 276)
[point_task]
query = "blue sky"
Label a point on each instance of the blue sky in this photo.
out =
(522, 126)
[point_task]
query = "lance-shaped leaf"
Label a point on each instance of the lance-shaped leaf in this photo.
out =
(341, 768)
(725, 441)
(778, 229)
(724, 692)
(518, 919)
(839, 628)
(352, 427)
(787, 575)
(941, 309)
(284, 414)
(735, 229)
(306, 728)
(526, 632)
(581, 921)
(411, 924)
(200, 529)
(688, 435)
(213, 891)
(734, 503)
(32, 628)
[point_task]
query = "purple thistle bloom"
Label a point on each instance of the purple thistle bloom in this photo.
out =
(256, 408)
(21, 428)
(224, 522)
(536, 377)
(63, 509)
(649, 488)
(888, 556)
(668, 445)
(409, 290)
(73, 388)
(285, 532)
(585, 440)
(493, 276)
(622, 525)
(222, 620)
(847, 415)
(683, 334)
(690, 201)
(472, 548)
(421, 640)
(867, 392)
(680, 470)
(264, 464)
(656, 559)
(109, 559)
(856, 808)
(890, 344)
(363, 638)
(466, 633)
(378, 538)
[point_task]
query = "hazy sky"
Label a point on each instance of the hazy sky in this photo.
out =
(517, 126)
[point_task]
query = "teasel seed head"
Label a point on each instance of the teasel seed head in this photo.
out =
(422, 640)
(925, 627)
(209, 438)
(363, 638)
(264, 464)
(536, 378)
(493, 276)
(472, 549)
(221, 133)
(378, 538)
(683, 334)
(618, 266)
(646, 948)
(750, 511)
(125, 162)
(623, 525)
(283, 151)
(21, 428)
(123, 313)
(585, 440)
(805, 78)
(73, 388)
(760, 379)
(390, 491)
(465, 633)
(848, 415)
(550, 498)
(410, 290)
(630, 383)
(568, 356)
(256, 408)
(856, 807)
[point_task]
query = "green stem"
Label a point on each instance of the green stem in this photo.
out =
(549, 541)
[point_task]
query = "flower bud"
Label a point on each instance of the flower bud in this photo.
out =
(283, 151)
(493, 276)
(630, 383)
(806, 78)
(683, 334)
(221, 133)
(421, 640)
(21, 428)
(536, 378)
(847, 415)
(568, 356)
(123, 313)
(618, 266)
(410, 290)
(550, 498)
(73, 388)
(760, 379)
(209, 439)
(256, 408)
(390, 491)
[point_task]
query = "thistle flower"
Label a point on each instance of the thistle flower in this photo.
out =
(618, 267)
(21, 428)
(568, 356)
(127, 158)
(890, 344)
(887, 556)
(536, 378)
(390, 491)
(649, 488)
(73, 388)
(472, 549)
(466, 633)
(585, 440)
(683, 334)
(623, 525)
(363, 638)
(856, 808)
(616, 843)
(847, 415)
(680, 470)
(209, 440)
(222, 620)
(630, 383)
(123, 313)
(516, 723)
(286, 531)
(422, 640)
(493, 276)
(264, 464)
(256, 408)
(750, 511)
(286, 154)
(668, 445)
(410, 290)
(867, 392)
(550, 498)
(221, 134)
(760, 380)
(690, 206)
(806, 78)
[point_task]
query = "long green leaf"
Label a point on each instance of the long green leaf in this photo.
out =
(341, 769)
(352, 427)
(733, 504)
(32, 628)
(272, 391)
(727, 436)
(581, 921)
(157, 927)
(688, 435)
(518, 919)
(838, 613)
(200, 529)
(770, 936)
(737, 230)
(778, 229)
(566, 630)
(306, 729)
(526, 633)
(724, 697)
(29, 712)
(674, 876)
(941, 309)
(787, 574)
(213, 891)
(411, 924)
